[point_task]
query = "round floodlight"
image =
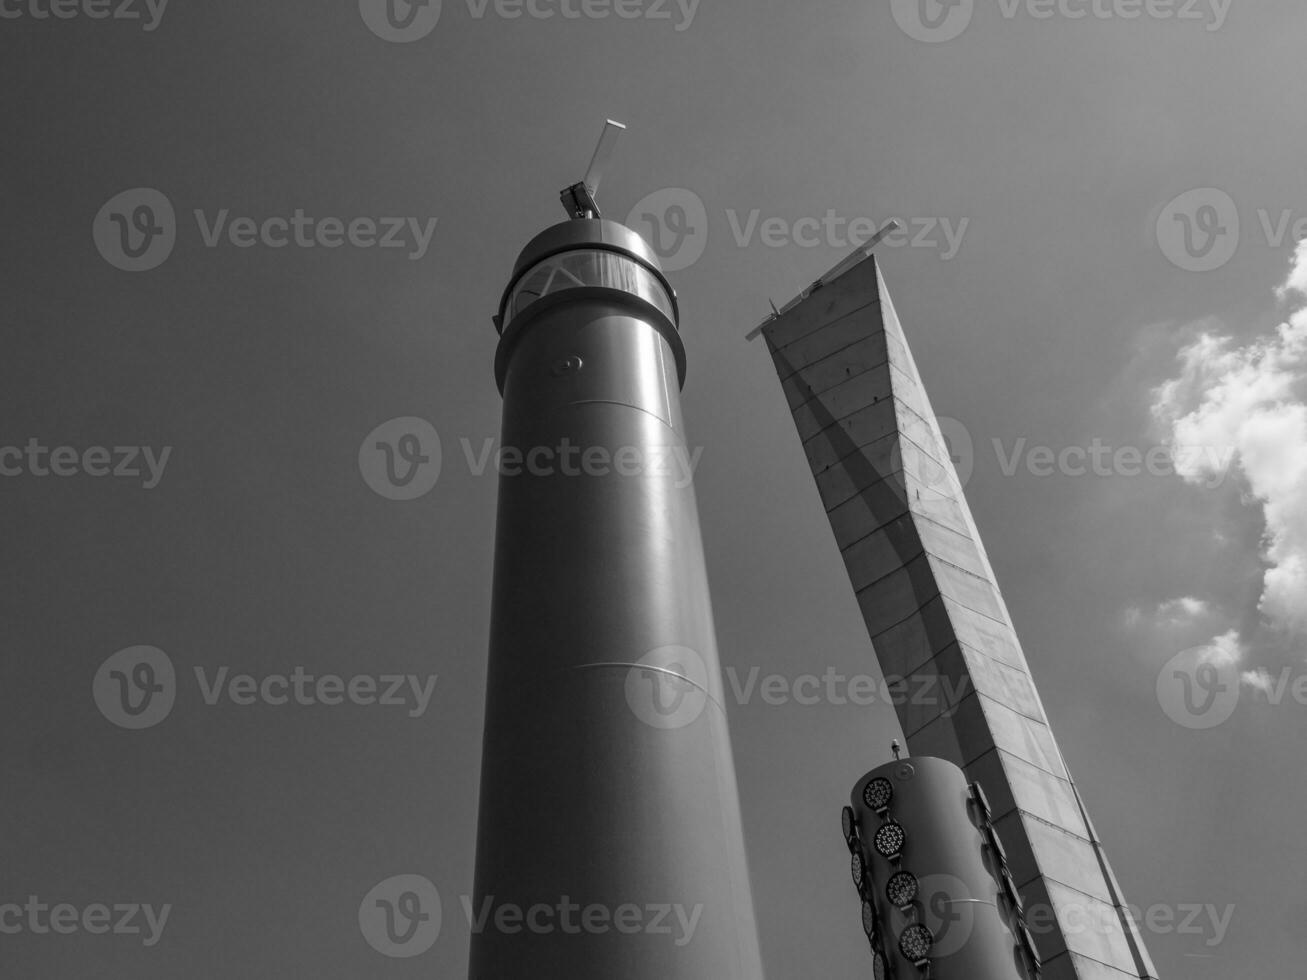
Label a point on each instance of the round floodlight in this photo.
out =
(878, 793)
(916, 942)
(856, 867)
(868, 918)
(902, 889)
(849, 824)
(878, 966)
(890, 839)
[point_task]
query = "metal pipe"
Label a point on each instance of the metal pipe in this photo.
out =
(937, 897)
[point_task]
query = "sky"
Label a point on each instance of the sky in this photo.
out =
(240, 240)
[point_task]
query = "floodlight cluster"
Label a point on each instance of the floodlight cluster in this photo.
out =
(889, 840)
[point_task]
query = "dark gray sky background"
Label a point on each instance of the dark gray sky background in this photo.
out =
(1059, 142)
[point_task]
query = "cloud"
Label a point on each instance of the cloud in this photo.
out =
(1184, 623)
(1186, 606)
(1259, 680)
(1170, 616)
(1223, 650)
(1298, 277)
(1252, 400)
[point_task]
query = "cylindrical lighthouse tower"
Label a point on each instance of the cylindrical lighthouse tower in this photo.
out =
(609, 842)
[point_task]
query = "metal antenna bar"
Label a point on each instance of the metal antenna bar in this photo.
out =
(603, 154)
(579, 199)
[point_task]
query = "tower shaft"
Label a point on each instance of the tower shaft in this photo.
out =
(609, 838)
(934, 612)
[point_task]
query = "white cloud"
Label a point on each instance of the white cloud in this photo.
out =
(1224, 649)
(1182, 623)
(1259, 679)
(1169, 615)
(1185, 606)
(1252, 400)
(1298, 277)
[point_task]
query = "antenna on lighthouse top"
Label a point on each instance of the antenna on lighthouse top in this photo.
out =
(579, 199)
